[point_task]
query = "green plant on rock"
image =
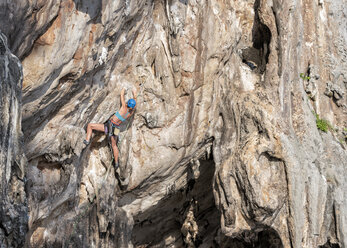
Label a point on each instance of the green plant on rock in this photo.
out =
(304, 76)
(322, 124)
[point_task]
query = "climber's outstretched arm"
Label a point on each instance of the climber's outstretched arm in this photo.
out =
(135, 95)
(135, 98)
(122, 98)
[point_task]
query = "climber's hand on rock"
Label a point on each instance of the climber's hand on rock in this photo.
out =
(134, 91)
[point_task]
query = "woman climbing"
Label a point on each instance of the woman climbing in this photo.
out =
(112, 126)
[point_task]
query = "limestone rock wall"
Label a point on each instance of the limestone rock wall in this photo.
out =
(224, 149)
(13, 202)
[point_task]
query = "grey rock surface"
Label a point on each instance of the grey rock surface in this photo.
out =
(224, 149)
(13, 202)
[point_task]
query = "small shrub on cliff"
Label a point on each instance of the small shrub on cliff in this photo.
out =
(304, 76)
(322, 124)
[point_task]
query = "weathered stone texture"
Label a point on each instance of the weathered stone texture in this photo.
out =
(13, 204)
(224, 149)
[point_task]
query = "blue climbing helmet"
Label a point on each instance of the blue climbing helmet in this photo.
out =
(131, 103)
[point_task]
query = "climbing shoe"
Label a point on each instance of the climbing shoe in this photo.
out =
(86, 142)
(115, 164)
(251, 65)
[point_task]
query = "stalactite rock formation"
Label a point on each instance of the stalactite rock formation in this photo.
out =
(239, 136)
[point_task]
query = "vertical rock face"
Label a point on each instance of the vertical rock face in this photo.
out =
(13, 204)
(239, 139)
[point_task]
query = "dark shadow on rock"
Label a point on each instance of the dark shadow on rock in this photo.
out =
(257, 56)
(166, 217)
(91, 7)
(328, 244)
(268, 238)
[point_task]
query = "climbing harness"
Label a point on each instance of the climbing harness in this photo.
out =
(111, 129)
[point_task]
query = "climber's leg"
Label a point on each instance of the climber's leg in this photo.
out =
(90, 128)
(115, 148)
